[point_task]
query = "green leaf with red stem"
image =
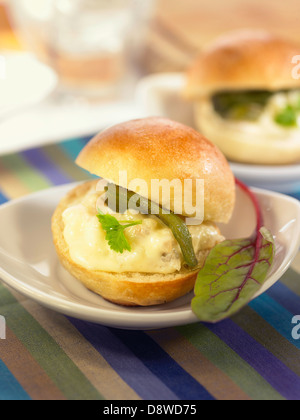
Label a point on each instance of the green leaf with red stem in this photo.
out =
(234, 272)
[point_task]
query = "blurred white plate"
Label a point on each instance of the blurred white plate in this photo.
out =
(28, 261)
(51, 122)
(161, 95)
(24, 82)
(33, 115)
(285, 179)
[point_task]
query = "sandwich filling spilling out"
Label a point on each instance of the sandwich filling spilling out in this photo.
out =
(153, 245)
(272, 111)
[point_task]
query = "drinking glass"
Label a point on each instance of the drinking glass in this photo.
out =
(93, 45)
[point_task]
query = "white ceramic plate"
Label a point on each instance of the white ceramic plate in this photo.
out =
(161, 94)
(24, 82)
(285, 179)
(32, 114)
(28, 262)
(51, 122)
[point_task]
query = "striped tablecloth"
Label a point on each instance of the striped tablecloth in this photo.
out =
(45, 355)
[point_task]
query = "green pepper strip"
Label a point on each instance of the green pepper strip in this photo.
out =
(121, 198)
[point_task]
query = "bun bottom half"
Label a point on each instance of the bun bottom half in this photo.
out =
(126, 289)
(242, 144)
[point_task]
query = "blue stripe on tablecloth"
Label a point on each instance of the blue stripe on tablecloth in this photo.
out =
(285, 297)
(73, 147)
(124, 362)
(295, 193)
(10, 389)
(279, 376)
(142, 364)
(163, 366)
(40, 162)
(3, 199)
(277, 316)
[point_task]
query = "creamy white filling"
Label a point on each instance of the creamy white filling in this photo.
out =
(153, 246)
(265, 126)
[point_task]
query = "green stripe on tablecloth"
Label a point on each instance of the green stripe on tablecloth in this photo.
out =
(292, 280)
(57, 365)
(88, 360)
(215, 350)
(10, 185)
(198, 366)
(72, 148)
(31, 178)
(26, 370)
(266, 335)
(65, 163)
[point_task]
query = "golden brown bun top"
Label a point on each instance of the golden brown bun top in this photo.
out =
(158, 149)
(243, 60)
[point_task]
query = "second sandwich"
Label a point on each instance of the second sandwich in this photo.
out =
(247, 97)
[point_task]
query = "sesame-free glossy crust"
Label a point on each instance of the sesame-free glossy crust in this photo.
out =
(160, 149)
(243, 60)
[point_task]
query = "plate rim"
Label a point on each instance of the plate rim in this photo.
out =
(285, 172)
(124, 111)
(111, 317)
(42, 68)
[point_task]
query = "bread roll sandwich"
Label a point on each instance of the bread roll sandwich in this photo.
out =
(247, 97)
(138, 257)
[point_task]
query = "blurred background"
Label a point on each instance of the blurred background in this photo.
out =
(82, 52)
(183, 27)
(177, 29)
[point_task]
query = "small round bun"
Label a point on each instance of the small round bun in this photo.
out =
(161, 149)
(243, 60)
(128, 289)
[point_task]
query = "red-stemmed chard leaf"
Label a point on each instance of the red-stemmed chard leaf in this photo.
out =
(234, 272)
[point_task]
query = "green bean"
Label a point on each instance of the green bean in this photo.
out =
(120, 200)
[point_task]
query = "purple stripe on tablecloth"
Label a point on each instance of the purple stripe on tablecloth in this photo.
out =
(276, 315)
(124, 362)
(39, 161)
(164, 366)
(282, 379)
(285, 297)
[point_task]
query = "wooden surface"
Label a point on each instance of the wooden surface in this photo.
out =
(182, 27)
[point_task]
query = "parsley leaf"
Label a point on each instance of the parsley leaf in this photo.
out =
(114, 229)
(287, 117)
